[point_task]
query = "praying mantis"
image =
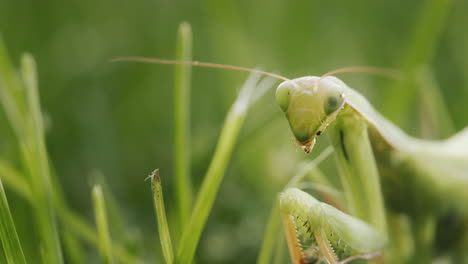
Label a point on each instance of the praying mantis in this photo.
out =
(423, 179)
(381, 169)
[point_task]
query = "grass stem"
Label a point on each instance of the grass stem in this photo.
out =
(163, 227)
(210, 186)
(182, 124)
(105, 244)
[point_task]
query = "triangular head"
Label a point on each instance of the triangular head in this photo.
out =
(310, 105)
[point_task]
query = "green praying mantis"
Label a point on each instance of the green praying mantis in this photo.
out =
(381, 169)
(427, 180)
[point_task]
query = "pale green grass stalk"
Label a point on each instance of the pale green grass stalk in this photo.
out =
(183, 187)
(105, 242)
(121, 229)
(270, 236)
(9, 237)
(209, 189)
(35, 156)
(280, 251)
(420, 49)
(164, 235)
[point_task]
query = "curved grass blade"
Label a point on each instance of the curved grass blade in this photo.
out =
(34, 152)
(10, 241)
(207, 194)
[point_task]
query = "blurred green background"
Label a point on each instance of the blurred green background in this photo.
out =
(117, 118)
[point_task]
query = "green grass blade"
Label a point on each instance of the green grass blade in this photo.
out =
(19, 98)
(280, 250)
(425, 35)
(35, 155)
(270, 236)
(182, 124)
(10, 241)
(210, 186)
(121, 230)
(205, 199)
(105, 244)
(73, 250)
(164, 235)
(14, 180)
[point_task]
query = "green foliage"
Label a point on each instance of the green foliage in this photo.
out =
(8, 236)
(119, 118)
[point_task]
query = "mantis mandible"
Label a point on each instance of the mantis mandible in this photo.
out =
(380, 167)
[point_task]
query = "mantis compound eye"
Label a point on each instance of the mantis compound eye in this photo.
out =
(334, 99)
(282, 95)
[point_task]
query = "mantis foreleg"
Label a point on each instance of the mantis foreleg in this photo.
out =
(358, 169)
(319, 233)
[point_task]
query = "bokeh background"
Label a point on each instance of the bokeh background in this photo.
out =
(117, 119)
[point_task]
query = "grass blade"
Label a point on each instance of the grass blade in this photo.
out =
(183, 188)
(426, 33)
(105, 244)
(121, 229)
(163, 228)
(35, 155)
(270, 236)
(10, 241)
(205, 199)
(73, 250)
(15, 180)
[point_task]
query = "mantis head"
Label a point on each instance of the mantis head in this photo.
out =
(310, 105)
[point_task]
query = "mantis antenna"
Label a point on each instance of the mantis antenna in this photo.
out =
(386, 72)
(199, 64)
(354, 69)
